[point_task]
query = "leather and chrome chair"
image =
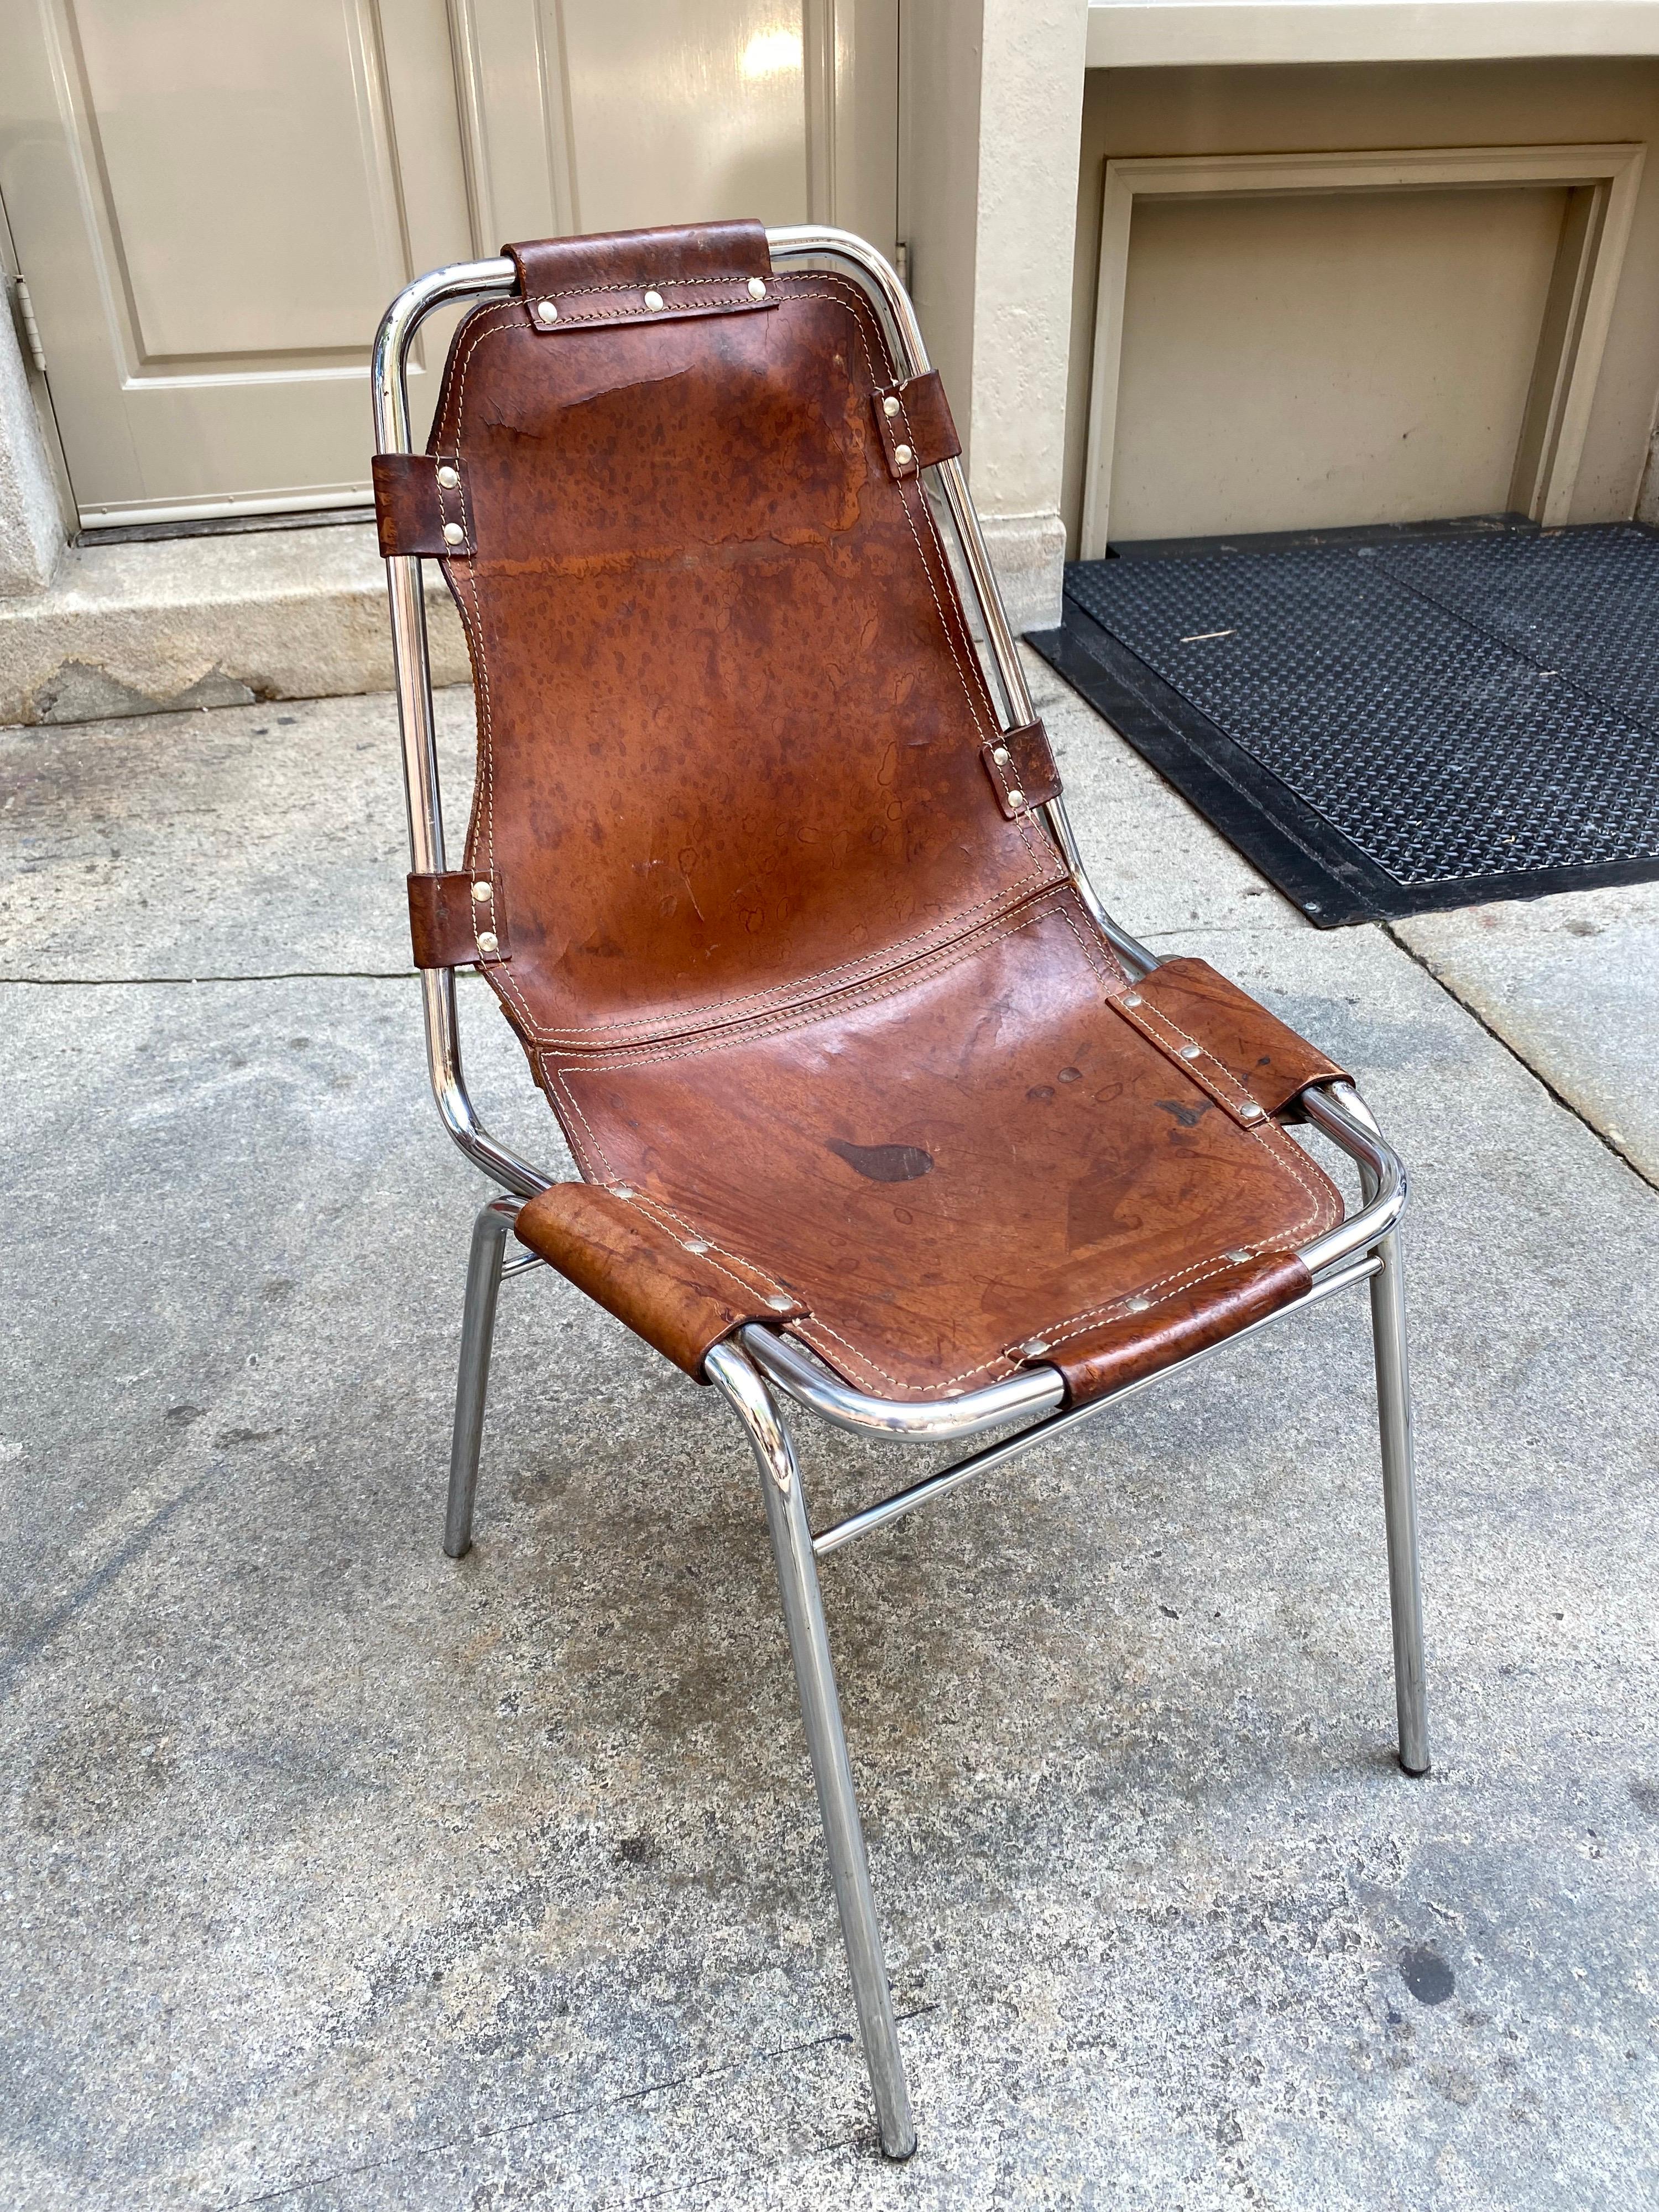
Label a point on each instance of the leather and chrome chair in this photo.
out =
(878, 1113)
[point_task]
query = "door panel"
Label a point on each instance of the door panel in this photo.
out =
(702, 105)
(214, 199)
(206, 200)
(188, 130)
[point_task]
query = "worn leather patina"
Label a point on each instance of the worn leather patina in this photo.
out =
(915, 424)
(642, 1264)
(418, 506)
(799, 976)
(1170, 1321)
(1021, 767)
(1187, 999)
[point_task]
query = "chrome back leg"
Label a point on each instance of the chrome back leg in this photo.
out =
(483, 1283)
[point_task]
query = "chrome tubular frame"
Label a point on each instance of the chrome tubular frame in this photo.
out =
(751, 1368)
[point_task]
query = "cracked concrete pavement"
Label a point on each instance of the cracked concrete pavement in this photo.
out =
(340, 1874)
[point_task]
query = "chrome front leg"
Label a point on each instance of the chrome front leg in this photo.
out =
(731, 1371)
(483, 1283)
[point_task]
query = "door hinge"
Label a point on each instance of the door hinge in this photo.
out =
(37, 352)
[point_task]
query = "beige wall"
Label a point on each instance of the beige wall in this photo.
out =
(988, 200)
(940, 52)
(1261, 388)
(1317, 109)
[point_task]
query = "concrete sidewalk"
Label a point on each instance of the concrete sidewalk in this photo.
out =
(339, 1875)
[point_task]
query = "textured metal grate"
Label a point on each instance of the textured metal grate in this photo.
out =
(1454, 706)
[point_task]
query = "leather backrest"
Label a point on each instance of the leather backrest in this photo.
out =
(733, 730)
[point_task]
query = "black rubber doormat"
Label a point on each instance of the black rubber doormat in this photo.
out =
(1390, 721)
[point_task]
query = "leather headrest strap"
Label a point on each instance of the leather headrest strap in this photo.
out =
(644, 275)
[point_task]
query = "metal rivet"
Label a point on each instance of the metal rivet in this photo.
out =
(653, 301)
(623, 1189)
(449, 478)
(756, 289)
(1249, 1111)
(1191, 1051)
(780, 1305)
(1000, 755)
(1239, 1257)
(1137, 1305)
(1016, 798)
(1034, 1346)
(481, 892)
(454, 533)
(489, 942)
(546, 312)
(695, 1245)
(903, 456)
(890, 406)
(1133, 999)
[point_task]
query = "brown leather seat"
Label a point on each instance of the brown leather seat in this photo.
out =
(765, 892)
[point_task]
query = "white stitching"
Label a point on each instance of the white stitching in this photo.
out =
(656, 284)
(692, 1022)
(1277, 1147)
(842, 302)
(1090, 945)
(465, 552)
(497, 321)
(737, 1259)
(871, 1367)
(865, 993)
(1258, 1129)
(1086, 1317)
(665, 313)
(1056, 903)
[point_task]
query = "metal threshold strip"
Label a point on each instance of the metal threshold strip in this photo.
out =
(889, 1510)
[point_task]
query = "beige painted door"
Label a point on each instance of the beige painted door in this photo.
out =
(213, 200)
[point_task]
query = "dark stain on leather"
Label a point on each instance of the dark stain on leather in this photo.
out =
(1188, 1116)
(1095, 1211)
(884, 1163)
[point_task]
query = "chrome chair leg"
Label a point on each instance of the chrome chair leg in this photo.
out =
(483, 1283)
(1393, 1407)
(803, 1612)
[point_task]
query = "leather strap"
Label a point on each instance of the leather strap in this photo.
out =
(669, 1288)
(458, 920)
(1139, 1340)
(1021, 769)
(1269, 1061)
(421, 505)
(645, 276)
(916, 424)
